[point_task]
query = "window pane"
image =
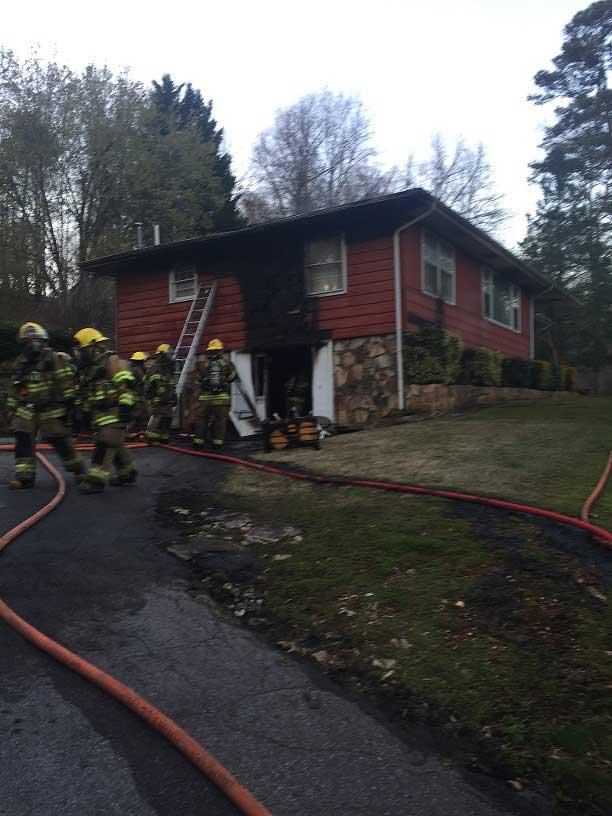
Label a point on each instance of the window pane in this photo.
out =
(487, 303)
(446, 256)
(184, 282)
(324, 278)
(430, 248)
(447, 286)
(431, 278)
(184, 274)
(327, 250)
(502, 303)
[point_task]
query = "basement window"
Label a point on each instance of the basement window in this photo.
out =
(325, 266)
(501, 300)
(438, 268)
(183, 283)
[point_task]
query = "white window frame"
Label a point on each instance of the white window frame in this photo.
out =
(344, 288)
(171, 288)
(517, 296)
(453, 300)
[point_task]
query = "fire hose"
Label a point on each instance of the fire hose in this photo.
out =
(204, 761)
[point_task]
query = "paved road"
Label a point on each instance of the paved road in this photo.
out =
(93, 576)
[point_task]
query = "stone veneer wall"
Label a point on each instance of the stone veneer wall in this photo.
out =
(366, 386)
(364, 379)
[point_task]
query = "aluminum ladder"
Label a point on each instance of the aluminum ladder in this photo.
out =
(187, 346)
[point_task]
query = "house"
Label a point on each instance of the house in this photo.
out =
(326, 296)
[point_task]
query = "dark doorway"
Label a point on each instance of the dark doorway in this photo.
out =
(289, 380)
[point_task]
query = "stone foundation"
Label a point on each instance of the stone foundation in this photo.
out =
(364, 379)
(366, 386)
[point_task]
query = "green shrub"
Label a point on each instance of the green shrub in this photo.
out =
(59, 339)
(516, 372)
(431, 355)
(541, 377)
(480, 367)
(569, 378)
(556, 378)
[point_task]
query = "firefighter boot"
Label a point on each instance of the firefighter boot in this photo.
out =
(124, 479)
(79, 473)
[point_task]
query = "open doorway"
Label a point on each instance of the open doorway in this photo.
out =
(283, 377)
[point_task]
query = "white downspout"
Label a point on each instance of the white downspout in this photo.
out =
(397, 278)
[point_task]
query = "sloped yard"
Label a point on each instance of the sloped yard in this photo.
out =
(494, 630)
(547, 454)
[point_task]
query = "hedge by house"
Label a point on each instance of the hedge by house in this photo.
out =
(516, 372)
(9, 347)
(481, 366)
(431, 355)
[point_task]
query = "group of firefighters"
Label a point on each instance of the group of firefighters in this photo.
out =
(50, 388)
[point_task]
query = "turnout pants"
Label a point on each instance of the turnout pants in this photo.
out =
(158, 429)
(55, 431)
(109, 452)
(211, 419)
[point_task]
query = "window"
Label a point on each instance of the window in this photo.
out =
(501, 300)
(183, 283)
(438, 268)
(325, 266)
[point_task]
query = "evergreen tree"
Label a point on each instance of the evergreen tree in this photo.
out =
(570, 235)
(181, 115)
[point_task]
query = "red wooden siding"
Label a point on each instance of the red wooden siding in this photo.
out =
(368, 306)
(145, 318)
(465, 318)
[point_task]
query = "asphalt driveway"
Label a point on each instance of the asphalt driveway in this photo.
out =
(94, 576)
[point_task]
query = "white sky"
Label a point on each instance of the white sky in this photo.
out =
(463, 68)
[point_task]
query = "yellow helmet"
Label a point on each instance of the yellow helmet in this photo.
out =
(89, 336)
(31, 331)
(163, 348)
(140, 356)
(215, 345)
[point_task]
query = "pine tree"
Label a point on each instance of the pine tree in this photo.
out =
(180, 109)
(570, 236)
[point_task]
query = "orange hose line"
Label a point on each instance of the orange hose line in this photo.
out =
(178, 737)
(80, 446)
(588, 505)
(603, 537)
(44, 511)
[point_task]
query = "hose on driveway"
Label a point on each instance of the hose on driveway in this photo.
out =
(203, 761)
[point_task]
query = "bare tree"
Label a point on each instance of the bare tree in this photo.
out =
(318, 153)
(461, 178)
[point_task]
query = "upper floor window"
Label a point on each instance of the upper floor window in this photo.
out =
(438, 270)
(183, 283)
(501, 300)
(325, 266)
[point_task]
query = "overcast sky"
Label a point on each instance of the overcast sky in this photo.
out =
(463, 68)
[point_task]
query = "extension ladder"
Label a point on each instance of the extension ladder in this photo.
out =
(187, 346)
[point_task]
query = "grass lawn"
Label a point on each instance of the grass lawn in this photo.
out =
(494, 628)
(548, 453)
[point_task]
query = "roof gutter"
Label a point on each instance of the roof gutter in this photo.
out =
(399, 313)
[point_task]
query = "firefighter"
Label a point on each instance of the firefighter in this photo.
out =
(137, 364)
(40, 398)
(160, 390)
(213, 377)
(108, 393)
